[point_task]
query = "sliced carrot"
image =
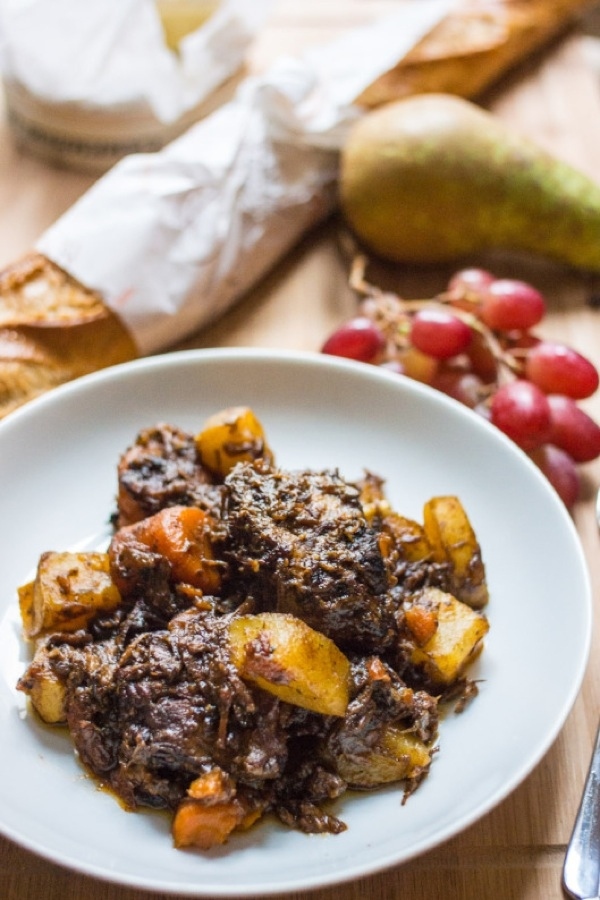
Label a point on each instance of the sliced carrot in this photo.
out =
(376, 669)
(422, 623)
(197, 825)
(182, 534)
(250, 817)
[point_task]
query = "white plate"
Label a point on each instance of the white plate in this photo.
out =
(57, 469)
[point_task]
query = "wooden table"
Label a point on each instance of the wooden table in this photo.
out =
(517, 850)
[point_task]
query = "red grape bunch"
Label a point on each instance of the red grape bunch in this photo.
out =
(475, 342)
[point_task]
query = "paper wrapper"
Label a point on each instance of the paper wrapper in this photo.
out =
(172, 239)
(88, 82)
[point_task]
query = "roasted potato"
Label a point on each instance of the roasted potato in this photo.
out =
(284, 656)
(398, 755)
(45, 689)
(375, 504)
(231, 436)
(455, 641)
(68, 590)
(453, 540)
(25, 594)
(408, 537)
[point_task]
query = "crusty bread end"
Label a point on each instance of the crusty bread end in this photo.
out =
(52, 329)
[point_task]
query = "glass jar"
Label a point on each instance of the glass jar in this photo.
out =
(92, 138)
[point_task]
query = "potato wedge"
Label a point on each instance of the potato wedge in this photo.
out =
(453, 540)
(408, 537)
(231, 436)
(25, 594)
(45, 690)
(373, 500)
(456, 641)
(284, 656)
(398, 755)
(68, 590)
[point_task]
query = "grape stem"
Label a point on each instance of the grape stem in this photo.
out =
(505, 362)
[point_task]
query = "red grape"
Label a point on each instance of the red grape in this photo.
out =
(511, 305)
(462, 386)
(519, 340)
(522, 412)
(557, 369)
(560, 470)
(573, 430)
(471, 338)
(357, 339)
(439, 333)
(469, 284)
(418, 366)
(481, 359)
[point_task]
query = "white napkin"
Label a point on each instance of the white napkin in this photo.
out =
(172, 239)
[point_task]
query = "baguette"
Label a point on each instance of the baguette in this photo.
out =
(473, 46)
(54, 329)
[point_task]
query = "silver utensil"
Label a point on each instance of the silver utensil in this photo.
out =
(581, 870)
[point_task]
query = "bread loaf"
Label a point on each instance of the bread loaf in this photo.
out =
(53, 329)
(473, 47)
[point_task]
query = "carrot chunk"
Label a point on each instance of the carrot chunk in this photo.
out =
(422, 623)
(183, 535)
(197, 825)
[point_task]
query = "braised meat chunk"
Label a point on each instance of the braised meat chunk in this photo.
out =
(162, 468)
(300, 543)
(151, 715)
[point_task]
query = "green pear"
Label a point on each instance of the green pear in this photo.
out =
(434, 178)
